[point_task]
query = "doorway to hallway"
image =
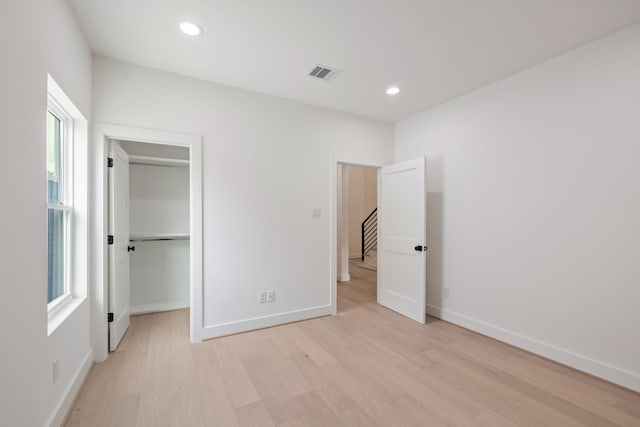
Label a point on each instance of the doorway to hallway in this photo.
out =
(400, 234)
(357, 231)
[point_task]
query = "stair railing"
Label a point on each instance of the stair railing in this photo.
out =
(369, 234)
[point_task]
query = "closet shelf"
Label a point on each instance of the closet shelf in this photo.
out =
(156, 161)
(158, 237)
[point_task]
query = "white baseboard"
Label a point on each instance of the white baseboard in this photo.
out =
(344, 277)
(160, 306)
(215, 331)
(71, 392)
(599, 369)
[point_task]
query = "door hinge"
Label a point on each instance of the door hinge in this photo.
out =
(109, 162)
(109, 317)
(110, 239)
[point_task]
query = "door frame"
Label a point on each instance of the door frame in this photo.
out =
(333, 221)
(99, 291)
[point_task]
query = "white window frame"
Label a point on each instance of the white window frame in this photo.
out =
(66, 204)
(75, 203)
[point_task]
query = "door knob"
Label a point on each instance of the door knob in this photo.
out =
(420, 248)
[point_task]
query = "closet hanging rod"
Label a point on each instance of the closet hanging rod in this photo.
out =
(157, 237)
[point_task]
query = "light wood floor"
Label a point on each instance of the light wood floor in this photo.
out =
(366, 366)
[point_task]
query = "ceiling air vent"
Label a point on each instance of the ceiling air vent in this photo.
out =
(324, 73)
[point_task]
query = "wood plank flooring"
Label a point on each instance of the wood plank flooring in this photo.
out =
(367, 366)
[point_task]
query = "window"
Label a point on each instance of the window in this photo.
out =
(67, 206)
(59, 202)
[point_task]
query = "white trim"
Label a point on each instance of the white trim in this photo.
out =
(582, 363)
(59, 309)
(74, 203)
(344, 277)
(56, 305)
(102, 133)
(159, 306)
(59, 207)
(62, 99)
(222, 329)
(64, 405)
(65, 200)
(342, 218)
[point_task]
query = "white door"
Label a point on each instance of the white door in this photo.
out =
(119, 250)
(402, 263)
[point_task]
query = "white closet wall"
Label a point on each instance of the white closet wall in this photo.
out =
(159, 205)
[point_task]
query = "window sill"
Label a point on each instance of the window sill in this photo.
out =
(59, 315)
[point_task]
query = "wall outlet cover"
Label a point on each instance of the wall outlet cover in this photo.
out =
(56, 370)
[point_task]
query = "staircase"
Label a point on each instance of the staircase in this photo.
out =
(370, 241)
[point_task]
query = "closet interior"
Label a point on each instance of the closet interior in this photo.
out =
(159, 227)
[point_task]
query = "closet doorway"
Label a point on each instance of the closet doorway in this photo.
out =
(158, 227)
(101, 301)
(149, 223)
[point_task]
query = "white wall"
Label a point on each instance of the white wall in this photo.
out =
(159, 199)
(36, 37)
(534, 207)
(159, 270)
(266, 164)
(363, 199)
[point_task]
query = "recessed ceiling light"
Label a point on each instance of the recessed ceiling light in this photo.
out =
(393, 90)
(190, 29)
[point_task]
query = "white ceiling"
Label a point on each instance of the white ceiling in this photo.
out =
(434, 50)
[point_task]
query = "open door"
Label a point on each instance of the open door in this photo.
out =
(402, 264)
(119, 250)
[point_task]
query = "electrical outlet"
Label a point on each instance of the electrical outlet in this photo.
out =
(262, 297)
(56, 370)
(446, 293)
(271, 296)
